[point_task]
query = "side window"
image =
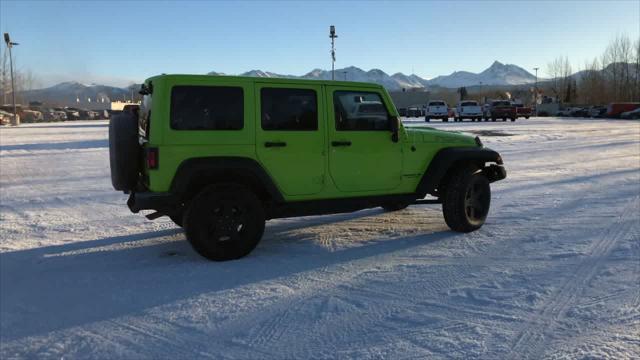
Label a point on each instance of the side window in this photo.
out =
(360, 111)
(207, 108)
(289, 109)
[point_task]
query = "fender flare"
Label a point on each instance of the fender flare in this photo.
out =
(446, 158)
(196, 171)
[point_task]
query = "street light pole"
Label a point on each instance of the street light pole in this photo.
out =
(535, 98)
(10, 44)
(333, 36)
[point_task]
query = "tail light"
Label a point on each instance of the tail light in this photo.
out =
(153, 158)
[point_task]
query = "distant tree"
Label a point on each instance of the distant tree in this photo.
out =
(462, 91)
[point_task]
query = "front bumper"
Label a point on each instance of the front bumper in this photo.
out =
(495, 172)
(161, 202)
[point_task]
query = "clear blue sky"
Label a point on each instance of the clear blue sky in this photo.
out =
(120, 42)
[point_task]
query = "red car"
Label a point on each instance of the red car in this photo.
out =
(500, 109)
(523, 111)
(615, 109)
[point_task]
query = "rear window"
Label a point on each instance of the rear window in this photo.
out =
(289, 109)
(501, 103)
(144, 116)
(469, 103)
(436, 103)
(207, 108)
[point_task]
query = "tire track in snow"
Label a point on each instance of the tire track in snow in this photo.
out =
(529, 342)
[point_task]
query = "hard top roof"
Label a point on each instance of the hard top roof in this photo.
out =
(272, 80)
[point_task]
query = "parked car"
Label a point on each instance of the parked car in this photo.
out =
(414, 111)
(633, 114)
(437, 109)
(5, 117)
(468, 109)
(598, 111)
(615, 109)
(402, 112)
(221, 159)
(581, 112)
(523, 111)
(60, 115)
(573, 112)
(72, 113)
(500, 109)
(31, 116)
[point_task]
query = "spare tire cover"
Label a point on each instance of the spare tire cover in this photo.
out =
(124, 151)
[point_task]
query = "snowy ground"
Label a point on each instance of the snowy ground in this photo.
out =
(554, 273)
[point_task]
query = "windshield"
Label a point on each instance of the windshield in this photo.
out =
(436, 103)
(501, 103)
(469, 103)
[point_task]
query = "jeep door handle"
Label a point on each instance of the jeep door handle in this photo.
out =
(275, 144)
(341, 143)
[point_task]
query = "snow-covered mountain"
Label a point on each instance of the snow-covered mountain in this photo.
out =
(351, 73)
(72, 92)
(497, 74)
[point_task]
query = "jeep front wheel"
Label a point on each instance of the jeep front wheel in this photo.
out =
(467, 199)
(224, 222)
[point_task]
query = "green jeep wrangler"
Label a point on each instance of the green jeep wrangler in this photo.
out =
(220, 155)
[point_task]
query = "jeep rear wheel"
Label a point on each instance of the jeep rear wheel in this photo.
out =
(224, 222)
(467, 199)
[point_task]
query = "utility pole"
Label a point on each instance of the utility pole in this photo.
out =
(333, 36)
(10, 44)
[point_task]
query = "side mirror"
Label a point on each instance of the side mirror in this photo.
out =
(395, 127)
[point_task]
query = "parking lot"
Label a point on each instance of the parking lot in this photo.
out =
(553, 273)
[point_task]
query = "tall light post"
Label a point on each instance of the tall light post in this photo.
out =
(333, 36)
(535, 96)
(10, 44)
(345, 75)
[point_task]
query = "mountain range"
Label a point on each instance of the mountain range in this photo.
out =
(497, 74)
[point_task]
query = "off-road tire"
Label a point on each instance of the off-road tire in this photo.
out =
(124, 151)
(427, 120)
(177, 219)
(224, 222)
(466, 199)
(513, 119)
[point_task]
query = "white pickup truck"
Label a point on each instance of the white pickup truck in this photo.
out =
(468, 109)
(437, 109)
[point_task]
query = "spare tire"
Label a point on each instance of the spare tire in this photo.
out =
(124, 151)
